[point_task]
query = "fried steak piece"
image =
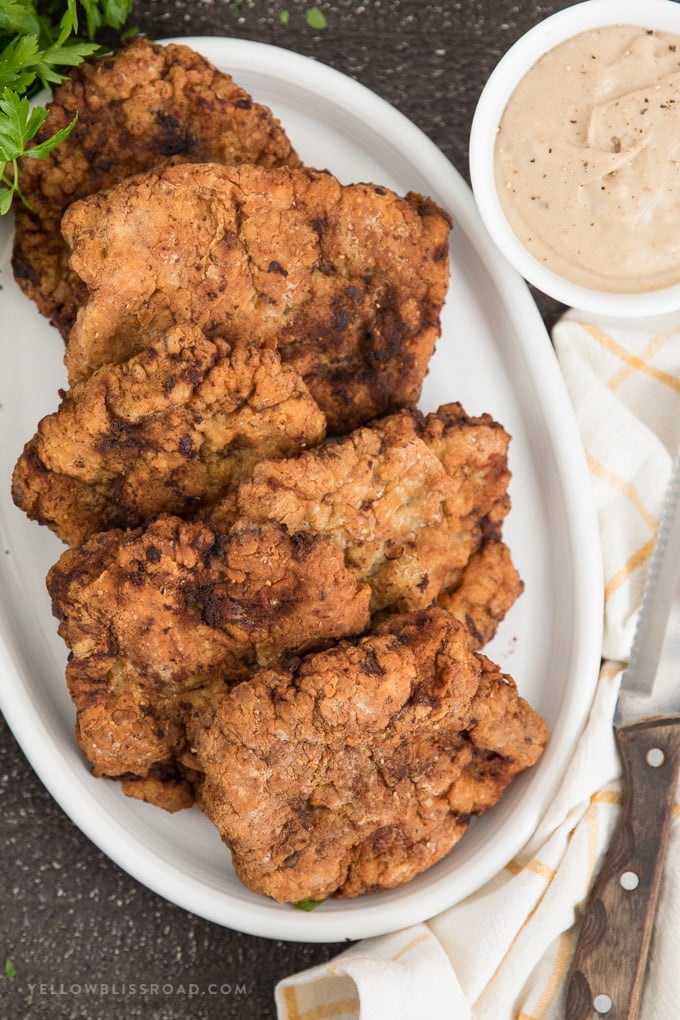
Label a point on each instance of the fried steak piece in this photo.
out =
(169, 430)
(153, 614)
(348, 282)
(356, 768)
(143, 106)
(489, 587)
(409, 498)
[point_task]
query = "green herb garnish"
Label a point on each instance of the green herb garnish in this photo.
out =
(307, 904)
(36, 49)
(315, 18)
(10, 969)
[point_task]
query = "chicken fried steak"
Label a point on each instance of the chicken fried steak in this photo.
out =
(347, 282)
(170, 430)
(143, 106)
(356, 768)
(489, 586)
(152, 614)
(409, 498)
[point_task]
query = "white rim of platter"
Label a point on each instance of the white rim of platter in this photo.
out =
(494, 355)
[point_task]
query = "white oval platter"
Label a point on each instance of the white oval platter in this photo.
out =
(494, 355)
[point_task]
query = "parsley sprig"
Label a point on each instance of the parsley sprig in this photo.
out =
(36, 48)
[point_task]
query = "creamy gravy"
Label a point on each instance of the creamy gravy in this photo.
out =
(587, 159)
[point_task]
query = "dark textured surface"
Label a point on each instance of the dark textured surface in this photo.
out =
(69, 915)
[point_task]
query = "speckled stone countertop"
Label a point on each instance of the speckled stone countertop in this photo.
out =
(68, 915)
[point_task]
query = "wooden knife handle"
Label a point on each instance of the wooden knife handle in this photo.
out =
(607, 971)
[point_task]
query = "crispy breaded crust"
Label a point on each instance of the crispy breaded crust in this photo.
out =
(356, 768)
(152, 614)
(489, 586)
(167, 786)
(143, 106)
(170, 430)
(347, 282)
(177, 606)
(409, 498)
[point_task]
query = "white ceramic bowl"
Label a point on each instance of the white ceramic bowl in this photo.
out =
(661, 15)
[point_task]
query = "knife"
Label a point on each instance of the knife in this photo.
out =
(607, 972)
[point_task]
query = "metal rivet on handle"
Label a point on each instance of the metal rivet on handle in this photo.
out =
(602, 1003)
(629, 881)
(655, 757)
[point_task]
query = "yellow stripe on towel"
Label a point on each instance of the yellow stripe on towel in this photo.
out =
(632, 360)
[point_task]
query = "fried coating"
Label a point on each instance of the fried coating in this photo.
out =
(409, 498)
(490, 585)
(143, 106)
(348, 282)
(356, 768)
(152, 614)
(168, 786)
(170, 430)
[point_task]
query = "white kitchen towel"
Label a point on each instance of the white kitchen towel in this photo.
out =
(504, 953)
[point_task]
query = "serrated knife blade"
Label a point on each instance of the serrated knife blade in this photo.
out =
(607, 972)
